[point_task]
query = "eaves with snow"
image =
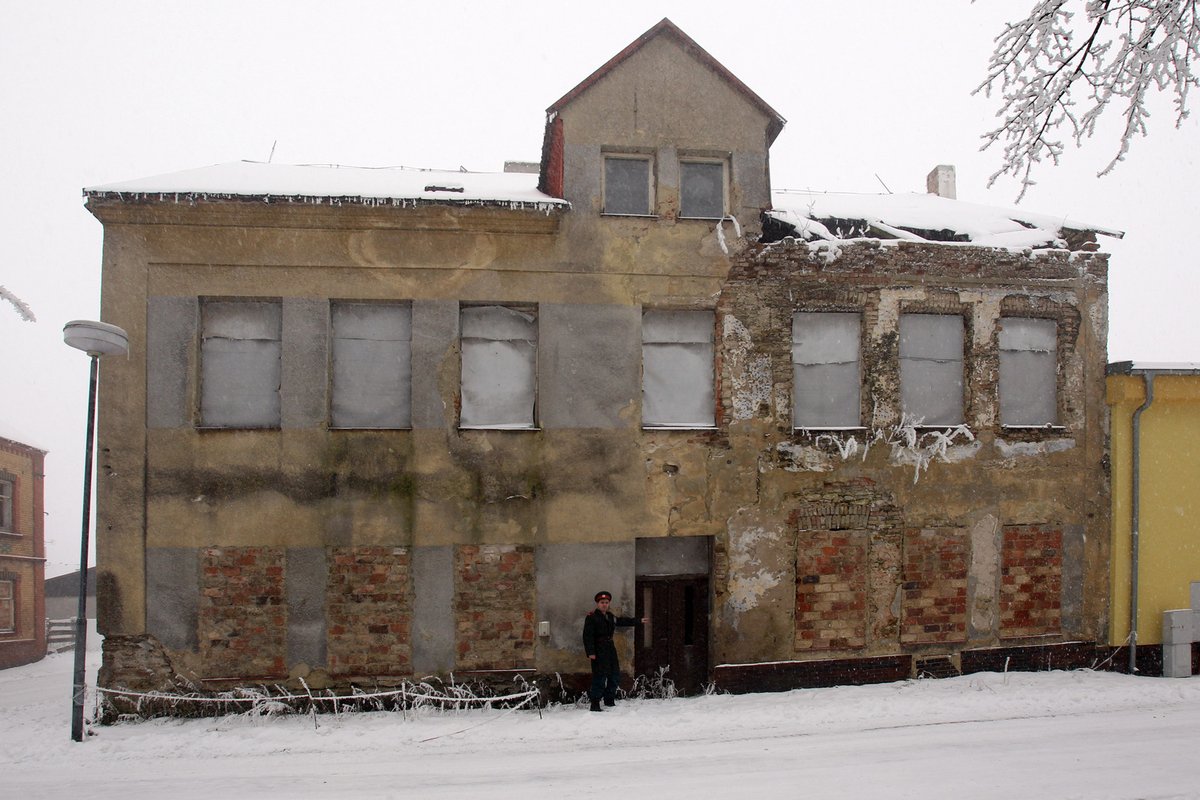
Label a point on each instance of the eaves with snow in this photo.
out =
(331, 184)
(910, 216)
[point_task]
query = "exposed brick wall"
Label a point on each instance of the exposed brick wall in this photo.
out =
(243, 612)
(1031, 581)
(934, 605)
(866, 575)
(831, 596)
(494, 601)
(368, 605)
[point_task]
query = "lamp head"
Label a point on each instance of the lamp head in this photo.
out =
(96, 338)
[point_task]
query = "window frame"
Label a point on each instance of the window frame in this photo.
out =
(710, 382)
(960, 380)
(723, 163)
(858, 371)
(648, 160)
(206, 419)
(8, 505)
(515, 308)
(11, 614)
(405, 423)
(1005, 365)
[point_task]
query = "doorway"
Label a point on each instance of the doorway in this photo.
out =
(675, 636)
(672, 589)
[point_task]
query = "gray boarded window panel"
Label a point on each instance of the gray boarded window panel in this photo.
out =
(702, 189)
(1028, 371)
(931, 368)
(825, 370)
(372, 366)
(240, 365)
(499, 368)
(627, 186)
(677, 369)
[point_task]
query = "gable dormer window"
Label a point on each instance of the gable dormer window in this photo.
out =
(628, 184)
(702, 188)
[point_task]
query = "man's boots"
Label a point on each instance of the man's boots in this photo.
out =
(609, 702)
(596, 705)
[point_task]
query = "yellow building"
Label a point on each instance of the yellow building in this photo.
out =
(22, 554)
(1155, 547)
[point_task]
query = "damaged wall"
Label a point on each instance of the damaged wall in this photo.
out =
(354, 555)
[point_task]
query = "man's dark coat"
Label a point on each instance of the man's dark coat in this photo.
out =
(598, 629)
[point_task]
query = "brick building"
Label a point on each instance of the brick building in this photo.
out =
(385, 423)
(22, 554)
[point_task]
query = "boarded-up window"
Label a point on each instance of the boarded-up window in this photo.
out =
(626, 185)
(677, 369)
(372, 377)
(931, 368)
(6, 504)
(825, 372)
(8, 607)
(240, 364)
(702, 189)
(499, 367)
(1028, 371)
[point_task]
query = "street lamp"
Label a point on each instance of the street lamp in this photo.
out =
(96, 339)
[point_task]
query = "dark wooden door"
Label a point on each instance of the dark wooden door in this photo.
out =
(675, 635)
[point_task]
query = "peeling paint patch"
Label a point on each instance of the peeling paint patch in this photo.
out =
(748, 579)
(1027, 449)
(750, 375)
(798, 458)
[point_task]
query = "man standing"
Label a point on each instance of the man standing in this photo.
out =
(598, 629)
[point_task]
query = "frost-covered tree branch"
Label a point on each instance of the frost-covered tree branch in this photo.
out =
(20, 305)
(1066, 63)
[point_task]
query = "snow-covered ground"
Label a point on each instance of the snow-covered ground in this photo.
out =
(1044, 735)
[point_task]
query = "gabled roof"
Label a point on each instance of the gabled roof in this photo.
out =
(911, 216)
(668, 28)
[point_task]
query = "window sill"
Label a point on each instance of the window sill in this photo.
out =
(268, 429)
(827, 428)
(13, 534)
(498, 428)
(701, 219)
(679, 427)
(366, 428)
(1047, 427)
(630, 216)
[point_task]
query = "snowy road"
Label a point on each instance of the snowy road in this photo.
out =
(1046, 735)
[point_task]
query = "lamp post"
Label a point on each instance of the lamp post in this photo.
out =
(96, 339)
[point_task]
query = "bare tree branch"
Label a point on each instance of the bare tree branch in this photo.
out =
(23, 309)
(1068, 61)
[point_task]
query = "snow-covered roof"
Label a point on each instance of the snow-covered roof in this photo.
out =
(920, 217)
(1157, 367)
(336, 185)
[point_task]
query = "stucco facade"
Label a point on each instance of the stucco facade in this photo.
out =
(298, 548)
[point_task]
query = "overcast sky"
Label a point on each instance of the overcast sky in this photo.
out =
(876, 92)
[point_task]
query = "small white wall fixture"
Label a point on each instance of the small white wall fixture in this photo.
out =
(1180, 629)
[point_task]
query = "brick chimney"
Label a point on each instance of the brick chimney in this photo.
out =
(941, 181)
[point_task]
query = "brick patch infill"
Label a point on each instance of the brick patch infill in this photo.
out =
(494, 601)
(934, 600)
(368, 605)
(1031, 581)
(831, 590)
(242, 618)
